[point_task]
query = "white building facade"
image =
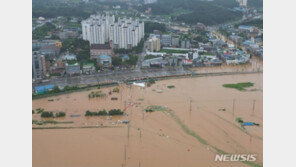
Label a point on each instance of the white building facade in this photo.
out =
(124, 33)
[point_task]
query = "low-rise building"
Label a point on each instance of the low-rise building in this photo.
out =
(50, 50)
(100, 49)
(43, 89)
(236, 39)
(104, 60)
(69, 57)
(244, 28)
(88, 68)
(72, 69)
(68, 34)
(37, 44)
(220, 44)
(57, 71)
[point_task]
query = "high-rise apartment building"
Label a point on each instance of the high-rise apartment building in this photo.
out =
(149, 1)
(36, 66)
(124, 33)
(153, 44)
(242, 3)
(166, 39)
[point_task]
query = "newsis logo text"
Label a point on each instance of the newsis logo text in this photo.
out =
(235, 157)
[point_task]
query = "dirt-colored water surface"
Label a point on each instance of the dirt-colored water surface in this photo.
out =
(199, 121)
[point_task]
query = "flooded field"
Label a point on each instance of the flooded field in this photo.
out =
(197, 120)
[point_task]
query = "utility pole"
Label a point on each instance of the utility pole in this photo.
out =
(140, 135)
(254, 101)
(143, 115)
(190, 103)
(124, 155)
(121, 93)
(128, 131)
(233, 107)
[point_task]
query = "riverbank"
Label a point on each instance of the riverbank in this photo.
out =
(103, 85)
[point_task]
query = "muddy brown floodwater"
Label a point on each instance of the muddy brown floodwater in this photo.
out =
(199, 119)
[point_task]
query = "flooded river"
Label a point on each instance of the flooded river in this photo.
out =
(199, 118)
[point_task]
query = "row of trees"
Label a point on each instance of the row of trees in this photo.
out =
(256, 22)
(96, 94)
(99, 113)
(81, 48)
(117, 61)
(47, 114)
(56, 89)
(150, 26)
(104, 112)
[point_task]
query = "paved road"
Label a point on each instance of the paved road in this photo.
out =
(141, 58)
(114, 76)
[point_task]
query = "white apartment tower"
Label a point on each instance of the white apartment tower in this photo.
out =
(100, 29)
(242, 3)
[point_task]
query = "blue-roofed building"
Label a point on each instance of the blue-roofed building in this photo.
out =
(104, 60)
(227, 56)
(124, 58)
(43, 89)
(248, 43)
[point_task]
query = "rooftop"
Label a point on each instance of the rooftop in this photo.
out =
(245, 27)
(49, 47)
(104, 56)
(43, 88)
(88, 65)
(100, 46)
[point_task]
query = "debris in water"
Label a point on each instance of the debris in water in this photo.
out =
(114, 98)
(159, 91)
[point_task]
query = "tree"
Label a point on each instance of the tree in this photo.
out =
(60, 114)
(46, 114)
(43, 31)
(56, 89)
(116, 61)
(102, 112)
(151, 26)
(132, 60)
(115, 112)
(88, 113)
